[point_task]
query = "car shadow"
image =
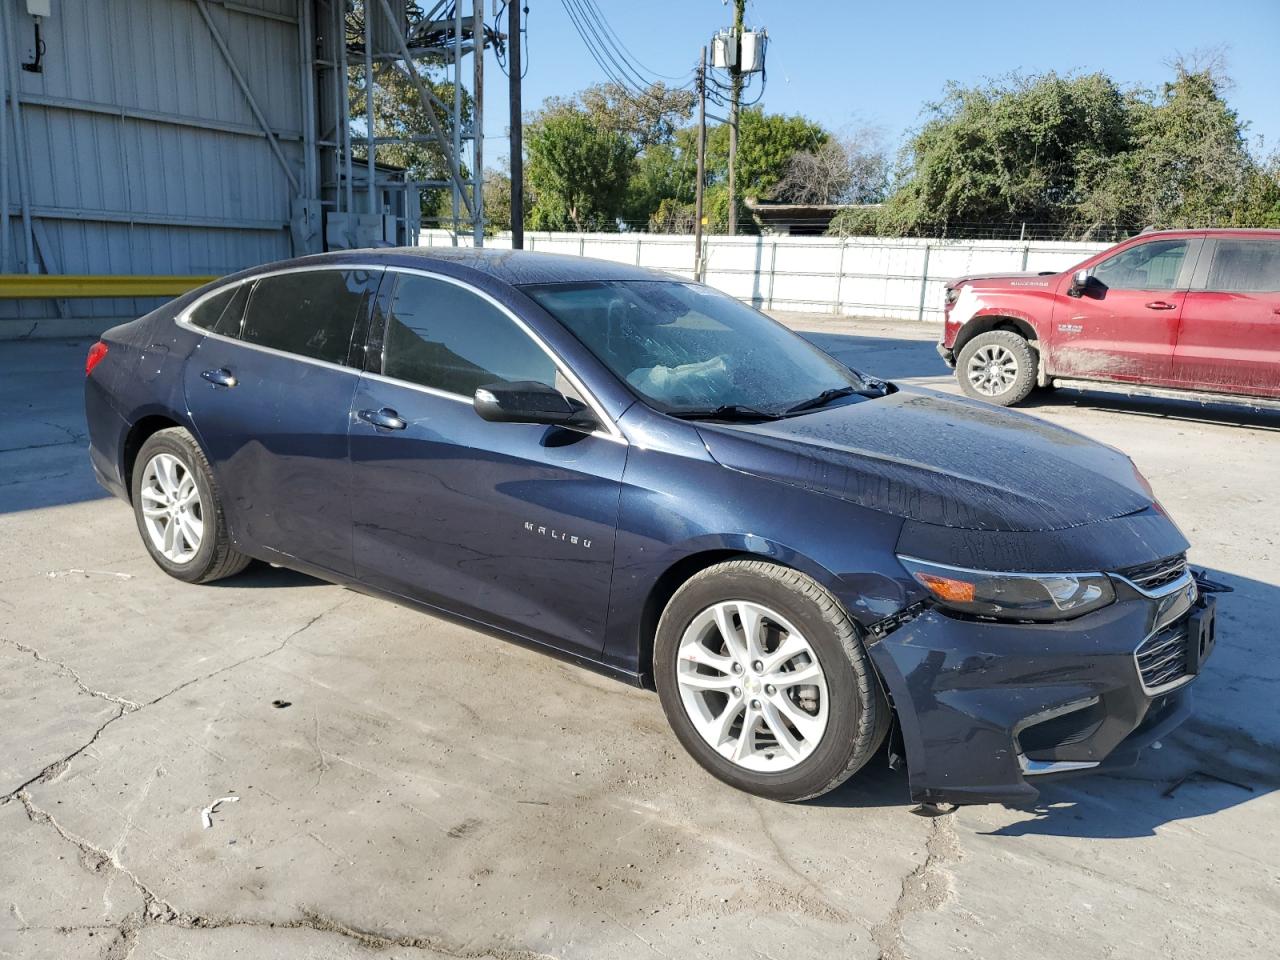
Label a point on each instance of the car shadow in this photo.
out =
(1186, 411)
(1226, 754)
(264, 575)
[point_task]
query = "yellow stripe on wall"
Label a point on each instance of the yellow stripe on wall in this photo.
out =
(59, 286)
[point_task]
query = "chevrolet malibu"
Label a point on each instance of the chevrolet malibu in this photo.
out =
(647, 477)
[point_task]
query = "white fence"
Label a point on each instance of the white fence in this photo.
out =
(859, 276)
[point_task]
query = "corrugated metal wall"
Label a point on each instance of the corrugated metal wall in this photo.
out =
(143, 152)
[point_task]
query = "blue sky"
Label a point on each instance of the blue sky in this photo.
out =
(857, 63)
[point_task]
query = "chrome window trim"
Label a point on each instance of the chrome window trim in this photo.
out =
(182, 319)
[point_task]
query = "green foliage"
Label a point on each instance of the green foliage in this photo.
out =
(1187, 164)
(577, 171)
(398, 112)
(663, 173)
(1076, 153)
(766, 143)
(1261, 204)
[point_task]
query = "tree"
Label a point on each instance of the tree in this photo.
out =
(1021, 149)
(766, 143)
(1187, 164)
(497, 201)
(577, 171)
(1077, 155)
(847, 170)
(647, 119)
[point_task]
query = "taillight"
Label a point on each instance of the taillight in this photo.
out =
(96, 353)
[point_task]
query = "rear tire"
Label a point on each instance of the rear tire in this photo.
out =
(997, 367)
(735, 708)
(179, 514)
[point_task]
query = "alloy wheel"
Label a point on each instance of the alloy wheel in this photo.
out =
(992, 370)
(752, 686)
(171, 509)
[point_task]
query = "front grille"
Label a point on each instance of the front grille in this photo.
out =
(1158, 573)
(1162, 657)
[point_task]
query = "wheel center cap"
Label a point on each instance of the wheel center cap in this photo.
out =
(753, 684)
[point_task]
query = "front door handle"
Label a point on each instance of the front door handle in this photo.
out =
(1161, 305)
(221, 377)
(386, 418)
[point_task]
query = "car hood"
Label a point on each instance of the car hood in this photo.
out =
(1028, 278)
(935, 459)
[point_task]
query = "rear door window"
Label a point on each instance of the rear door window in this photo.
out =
(444, 336)
(222, 312)
(1245, 266)
(311, 313)
(1148, 266)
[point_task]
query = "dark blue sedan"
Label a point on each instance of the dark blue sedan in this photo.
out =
(652, 479)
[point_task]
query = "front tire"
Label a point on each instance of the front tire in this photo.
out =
(179, 515)
(997, 367)
(765, 682)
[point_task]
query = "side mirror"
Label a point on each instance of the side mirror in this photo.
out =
(527, 401)
(1079, 281)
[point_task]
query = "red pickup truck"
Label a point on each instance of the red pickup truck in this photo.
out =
(1174, 309)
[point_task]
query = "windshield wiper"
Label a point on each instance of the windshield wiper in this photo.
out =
(822, 399)
(728, 411)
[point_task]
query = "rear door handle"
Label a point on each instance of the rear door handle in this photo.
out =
(1161, 305)
(386, 418)
(221, 377)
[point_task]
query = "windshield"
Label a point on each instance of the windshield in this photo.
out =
(687, 349)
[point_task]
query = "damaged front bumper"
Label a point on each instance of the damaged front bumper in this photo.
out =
(988, 710)
(947, 354)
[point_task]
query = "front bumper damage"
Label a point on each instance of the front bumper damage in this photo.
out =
(990, 710)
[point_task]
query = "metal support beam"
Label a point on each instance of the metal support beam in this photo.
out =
(307, 54)
(457, 107)
(477, 122)
(19, 139)
(412, 75)
(152, 116)
(203, 7)
(371, 149)
(157, 219)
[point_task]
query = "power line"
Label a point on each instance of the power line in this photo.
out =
(629, 77)
(601, 19)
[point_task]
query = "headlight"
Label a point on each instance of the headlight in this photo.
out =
(1012, 596)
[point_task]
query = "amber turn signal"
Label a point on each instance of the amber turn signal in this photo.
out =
(945, 588)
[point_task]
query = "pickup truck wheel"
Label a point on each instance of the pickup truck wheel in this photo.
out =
(764, 679)
(997, 366)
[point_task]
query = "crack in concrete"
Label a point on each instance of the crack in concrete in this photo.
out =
(55, 769)
(157, 911)
(927, 887)
(128, 705)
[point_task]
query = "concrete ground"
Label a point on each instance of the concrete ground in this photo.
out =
(410, 788)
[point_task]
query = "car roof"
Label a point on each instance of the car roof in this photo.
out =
(1213, 232)
(516, 267)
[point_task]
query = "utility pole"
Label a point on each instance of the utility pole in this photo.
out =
(517, 131)
(702, 166)
(735, 97)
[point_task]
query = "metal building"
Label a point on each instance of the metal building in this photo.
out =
(147, 144)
